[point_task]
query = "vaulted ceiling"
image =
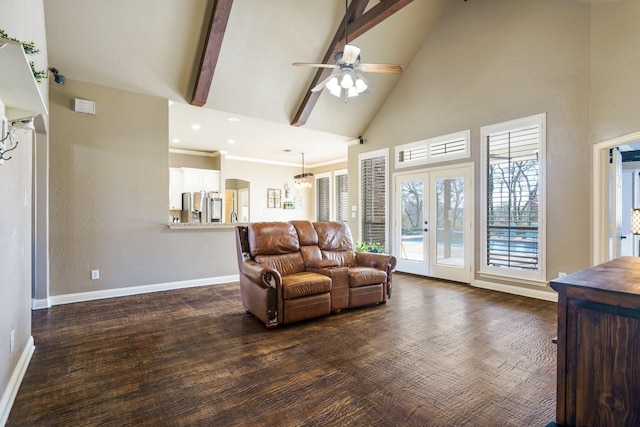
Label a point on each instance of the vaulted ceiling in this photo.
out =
(155, 47)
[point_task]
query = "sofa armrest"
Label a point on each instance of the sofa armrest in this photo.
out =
(262, 276)
(380, 261)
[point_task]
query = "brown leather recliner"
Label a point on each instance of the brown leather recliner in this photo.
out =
(299, 270)
(274, 284)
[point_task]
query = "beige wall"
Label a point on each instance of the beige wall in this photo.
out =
(109, 198)
(24, 20)
(494, 61)
(615, 69)
(179, 160)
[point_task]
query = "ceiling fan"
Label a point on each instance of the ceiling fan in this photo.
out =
(347, 78)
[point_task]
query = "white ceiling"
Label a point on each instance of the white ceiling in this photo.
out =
(153, 47)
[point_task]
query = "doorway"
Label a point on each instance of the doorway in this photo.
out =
(432, 223)
(609, 236)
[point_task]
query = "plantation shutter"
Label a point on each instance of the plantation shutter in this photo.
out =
(373, 191)
(323, 199)
(513, 199)
(342, 197)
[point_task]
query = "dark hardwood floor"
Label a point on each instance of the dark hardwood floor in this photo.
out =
(437, 354)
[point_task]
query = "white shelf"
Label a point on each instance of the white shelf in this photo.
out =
(18, 88)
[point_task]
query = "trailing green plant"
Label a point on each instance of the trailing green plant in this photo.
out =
(29, 49)
(369, 247)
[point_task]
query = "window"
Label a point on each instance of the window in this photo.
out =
(341, 192)
(512, 198)
(439, 149)
(373, 196)
(323, 197)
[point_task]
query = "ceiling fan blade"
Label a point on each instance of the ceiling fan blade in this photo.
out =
(382, 68)
(306, 64)
(322, 84)
(350, 54)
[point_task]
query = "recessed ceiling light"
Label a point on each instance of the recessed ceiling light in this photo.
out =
(195, 126)
(170, 103)
(176, 140)
(231, 141)
(233, 119)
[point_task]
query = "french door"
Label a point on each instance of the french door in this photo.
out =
(432, 223)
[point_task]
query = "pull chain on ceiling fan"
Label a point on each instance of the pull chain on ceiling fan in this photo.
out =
(347, 80)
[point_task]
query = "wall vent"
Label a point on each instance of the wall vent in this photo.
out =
(85, 106)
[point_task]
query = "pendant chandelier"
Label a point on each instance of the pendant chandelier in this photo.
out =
(303, 180)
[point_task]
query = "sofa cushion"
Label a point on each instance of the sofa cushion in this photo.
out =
(284, 264)
(306, 233)
(310, 254)
(343, 258)
(272, 238)
(304, 284)
(363, 276)
(333, 236)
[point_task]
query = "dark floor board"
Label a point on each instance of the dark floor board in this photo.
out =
(437, 354)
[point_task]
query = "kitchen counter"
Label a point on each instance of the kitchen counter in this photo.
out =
(211, 225)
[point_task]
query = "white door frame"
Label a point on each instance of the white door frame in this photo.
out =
(600, 223)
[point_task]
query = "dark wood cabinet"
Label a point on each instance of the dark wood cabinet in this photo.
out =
(599, 345)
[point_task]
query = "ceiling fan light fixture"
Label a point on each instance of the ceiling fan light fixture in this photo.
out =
(333, 85)
(347, 80)
(352, 92)
(361, 86)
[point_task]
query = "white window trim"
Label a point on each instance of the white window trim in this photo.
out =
(427, 143)
(369, 155)
(538, 276)
(331, 209)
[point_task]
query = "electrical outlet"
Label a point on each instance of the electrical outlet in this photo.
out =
(12, 341)
(95, 274)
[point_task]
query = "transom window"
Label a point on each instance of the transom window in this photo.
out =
(432, 150)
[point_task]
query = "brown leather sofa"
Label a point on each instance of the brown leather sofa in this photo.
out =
(292, 271)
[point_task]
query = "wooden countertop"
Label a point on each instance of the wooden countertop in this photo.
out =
(621, 275)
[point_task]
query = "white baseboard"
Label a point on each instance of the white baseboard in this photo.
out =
(517, 290)
(39, 304)
(135, 290)
(10, 393)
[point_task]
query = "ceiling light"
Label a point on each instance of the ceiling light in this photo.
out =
(195, 126)
(303, 180)
(346, 81)
(175, 140)
(233, 119)
(231, 141)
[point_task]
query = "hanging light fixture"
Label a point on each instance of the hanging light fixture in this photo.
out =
(303, 180)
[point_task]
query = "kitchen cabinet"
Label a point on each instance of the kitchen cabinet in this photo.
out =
(598, 380)
(200, 180)
(189, 180)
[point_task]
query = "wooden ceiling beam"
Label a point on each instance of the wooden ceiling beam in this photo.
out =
(211, 51)
(357, 24)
